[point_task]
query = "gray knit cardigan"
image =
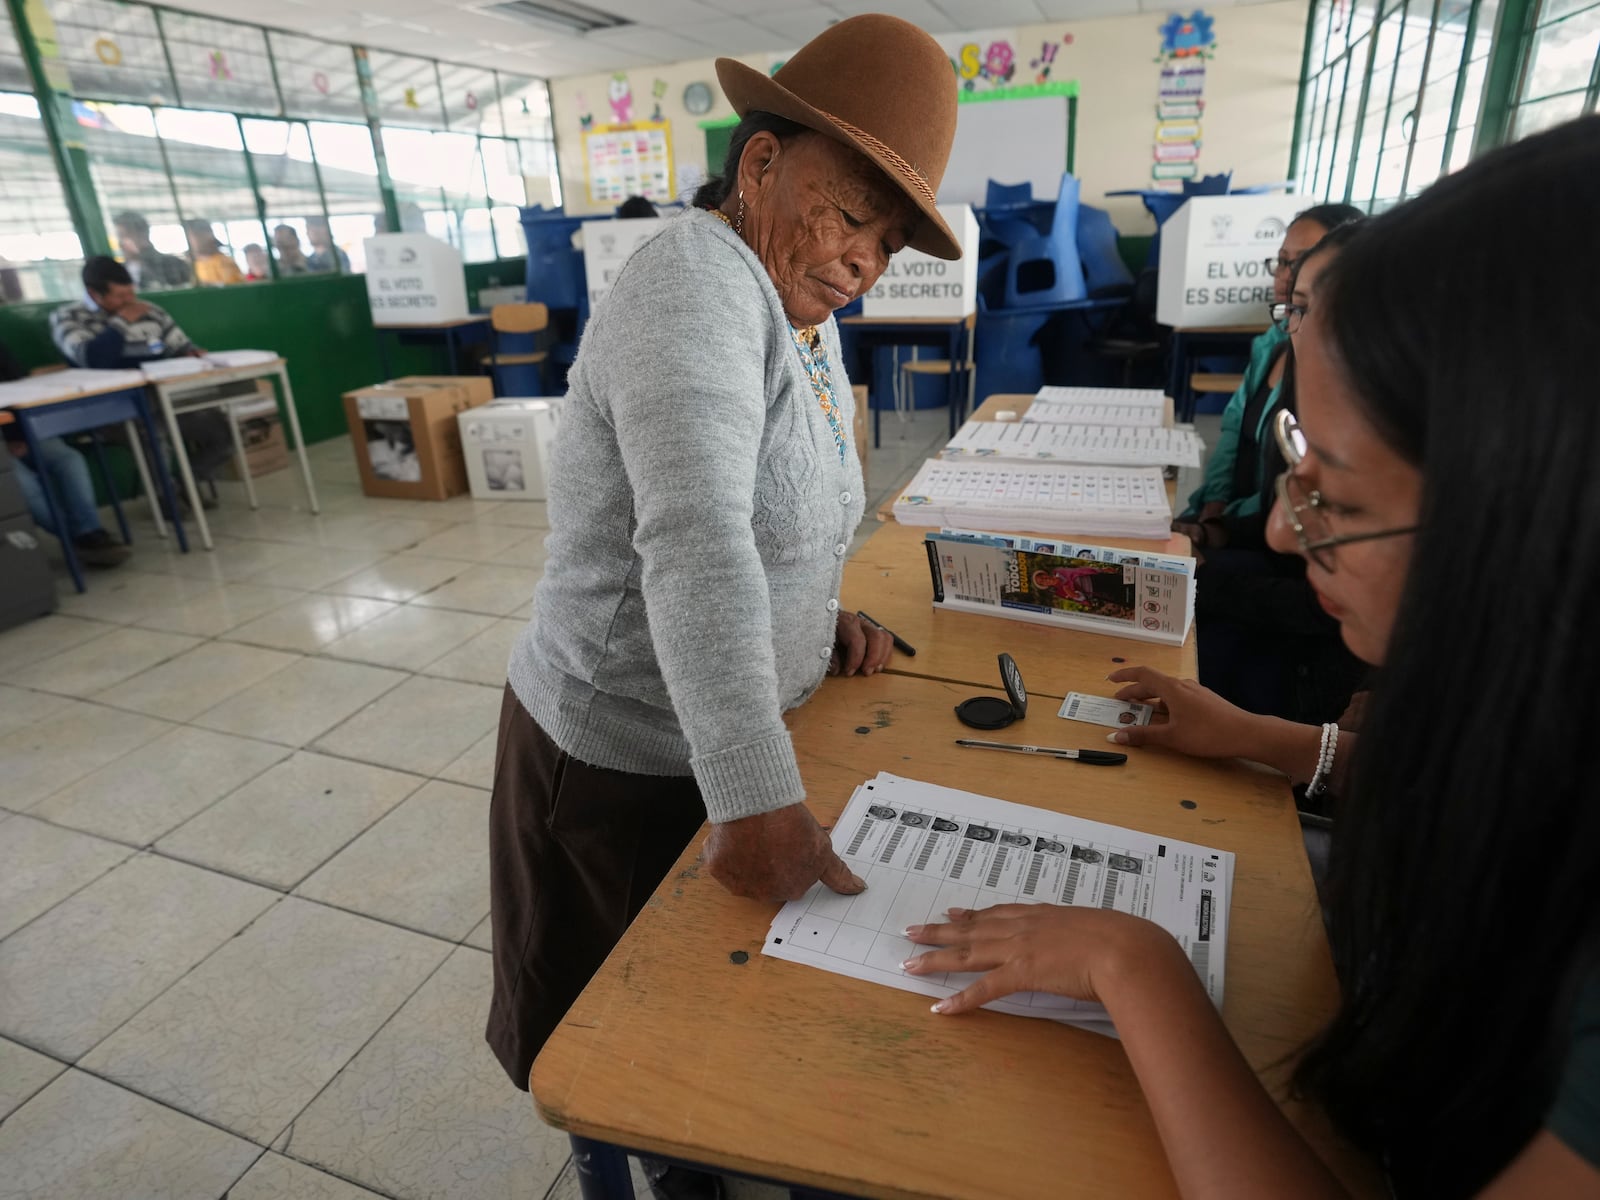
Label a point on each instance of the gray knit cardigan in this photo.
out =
(700, 514)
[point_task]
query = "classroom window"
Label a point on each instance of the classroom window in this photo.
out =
(1560, 74)
(40, 255)
(128, 167)
(205, 156)
(219, 64)
(349, 168)
(286, 179)
(112, 51)
(407, 89)
(317, 80)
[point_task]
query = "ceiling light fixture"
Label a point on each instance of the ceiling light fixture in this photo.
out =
(564, 16)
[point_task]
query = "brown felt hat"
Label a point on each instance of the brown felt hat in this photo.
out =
(881, 86)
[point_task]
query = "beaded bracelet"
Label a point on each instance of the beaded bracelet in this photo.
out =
(1324, 771)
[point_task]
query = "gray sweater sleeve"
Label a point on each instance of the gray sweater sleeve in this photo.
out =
(688, 391)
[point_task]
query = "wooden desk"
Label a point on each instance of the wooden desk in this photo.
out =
(450, 332)
(175, 395)
(776, 1070)
(888, 579)
(956, 335)
(82, 404)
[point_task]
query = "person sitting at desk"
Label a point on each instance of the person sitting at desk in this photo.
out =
(211, 266)
(703, 494)
(1231, 487)
(1465, 1053)
(112, 328)
(69, 475)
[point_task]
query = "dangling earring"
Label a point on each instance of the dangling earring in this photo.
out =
(738, 221)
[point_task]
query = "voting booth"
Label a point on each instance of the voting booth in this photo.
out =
(507, 447)
(606, 246)
(414, 279)
(1215, 259)
(919, 285)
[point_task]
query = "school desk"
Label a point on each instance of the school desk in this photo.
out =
(179, 394)
(456, 334)
(77, 409)
(956, 336)
(690, 1045)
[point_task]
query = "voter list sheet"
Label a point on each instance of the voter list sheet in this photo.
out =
(924, 849)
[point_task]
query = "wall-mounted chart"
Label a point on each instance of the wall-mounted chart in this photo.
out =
(634, 159)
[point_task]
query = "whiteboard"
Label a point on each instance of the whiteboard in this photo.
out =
(1009, 141)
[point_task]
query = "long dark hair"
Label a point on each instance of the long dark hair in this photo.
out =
(1463, 917)
(715, 190)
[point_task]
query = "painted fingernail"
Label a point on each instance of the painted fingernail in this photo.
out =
(911, 931)
(910, 964)
(1120, 737)
(940, 1007)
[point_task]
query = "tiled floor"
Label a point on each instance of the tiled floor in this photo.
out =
(243, 878)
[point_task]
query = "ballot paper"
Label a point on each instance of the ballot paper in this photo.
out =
(1098, 406)
(1053, 498)
(1113, 445)
(198, 364)
(241, 358)
(924, 849)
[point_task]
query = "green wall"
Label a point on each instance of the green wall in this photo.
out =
(321, 325)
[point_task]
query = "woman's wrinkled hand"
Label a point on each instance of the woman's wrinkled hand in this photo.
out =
(1033, 948)
(1198, 721)
(859, 648)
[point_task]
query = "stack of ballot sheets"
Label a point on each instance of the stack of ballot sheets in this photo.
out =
(1140, 407)
(924, 849)
(1088, 445)
(1127, 502)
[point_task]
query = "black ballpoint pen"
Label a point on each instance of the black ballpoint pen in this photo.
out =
(900, 643)
(1093, 758)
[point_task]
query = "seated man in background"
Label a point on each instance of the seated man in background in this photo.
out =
(111, 328)
(325, 256)
(151, 269)
(69, 475)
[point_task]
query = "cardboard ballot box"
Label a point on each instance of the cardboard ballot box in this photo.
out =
(1215, 255)
(261, 431)
(407, 441)
(507, 447)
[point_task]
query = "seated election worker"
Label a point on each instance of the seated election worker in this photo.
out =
(1465, 1051)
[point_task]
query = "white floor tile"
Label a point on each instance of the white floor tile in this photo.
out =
(530, 514)
(97, 665)
(44, 637)
(23, 1072)
(218, 610)
(301, 701)
(312, 567)
(482, 935)
(91, 962)
(475, 768)
(310, 622)
(310, 983)
(425, 1110)
(157, 787)
(125, 596)
(41, 865)
(182, 688)
(409, 638)
(287, 822)
(85, 1139)
(444, 823)
(484, 588)
(481, 658)
(421, 726)
(22, 706)
(74, 740)
(399, 578)
(275, 1177)
(507, 545)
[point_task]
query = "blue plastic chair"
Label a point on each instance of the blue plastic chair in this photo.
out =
(1007, 357)
(1104, 272)
(1044, 268)
(1008, 195)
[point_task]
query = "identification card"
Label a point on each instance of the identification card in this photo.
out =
(1102, 710)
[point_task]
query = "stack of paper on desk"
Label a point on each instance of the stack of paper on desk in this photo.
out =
(241, 358)
(1119, 445)
(924, 849)
(58, 385)
(196, 364)
(1146, 407)
(1128, 502)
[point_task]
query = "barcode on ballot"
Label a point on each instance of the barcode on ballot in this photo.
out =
(861, 836)
(1032, 881)
(994, 869)
(961, 860)
(1070, 891)
(926, 852)
(1200, 956)
(895, 839)
(1108, 895)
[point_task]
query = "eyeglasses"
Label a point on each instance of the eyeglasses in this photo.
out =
(1305, 511)
(1281, 262)
(1287, 317)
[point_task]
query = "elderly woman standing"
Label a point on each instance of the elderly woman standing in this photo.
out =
(703, 493)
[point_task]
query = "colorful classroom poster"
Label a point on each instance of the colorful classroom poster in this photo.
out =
(634, 159)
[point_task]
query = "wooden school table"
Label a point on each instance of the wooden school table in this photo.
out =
(460, 331)
(176, 394)
(77, 409)
(690, 1045)
(956, 336)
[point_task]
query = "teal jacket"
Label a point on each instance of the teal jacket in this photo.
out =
(1218, 482)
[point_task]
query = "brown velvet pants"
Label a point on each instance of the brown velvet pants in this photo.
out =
(574, 853)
